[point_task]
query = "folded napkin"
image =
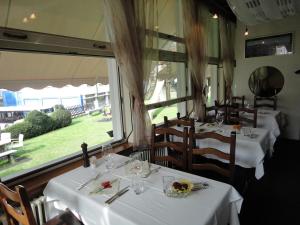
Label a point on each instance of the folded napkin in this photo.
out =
(108, 186)
(130, 168)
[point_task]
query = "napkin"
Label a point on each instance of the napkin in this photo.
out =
(145, 168)
(107, 186)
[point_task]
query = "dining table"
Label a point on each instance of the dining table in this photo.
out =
(250, 150)
(218, 204)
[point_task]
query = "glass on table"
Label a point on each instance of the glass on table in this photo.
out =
(167, 184)
(108, 156)
(220, 119)
(135, 170)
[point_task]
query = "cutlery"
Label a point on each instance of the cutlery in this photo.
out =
(117, 195)
(88, 181)
(124, 163)
(151, 171)
(199, 186)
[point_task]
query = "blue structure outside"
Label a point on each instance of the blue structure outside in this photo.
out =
(9, 98)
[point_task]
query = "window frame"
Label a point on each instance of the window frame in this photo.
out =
(26, 41)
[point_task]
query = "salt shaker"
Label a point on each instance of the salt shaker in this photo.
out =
(93, 161)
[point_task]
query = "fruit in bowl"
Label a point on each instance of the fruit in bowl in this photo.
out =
(182, 186)
(237, 127)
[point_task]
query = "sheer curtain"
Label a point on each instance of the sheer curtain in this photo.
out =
(227, 53)
(195, 23)
(129, 24)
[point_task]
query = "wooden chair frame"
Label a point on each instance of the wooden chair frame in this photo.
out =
(178, 147)
(272, 100)
(23, 214)
(236, 115)
(234, 100)
(207, 117)
(178, 122)
(194, 150)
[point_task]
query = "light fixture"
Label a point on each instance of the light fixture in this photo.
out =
(215, 16)
(25, 20)
(32, 16)
(156, 27)
(246, 32)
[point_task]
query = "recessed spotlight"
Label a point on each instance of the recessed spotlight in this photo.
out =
(32, 16)
(25, 20)
(215, 16)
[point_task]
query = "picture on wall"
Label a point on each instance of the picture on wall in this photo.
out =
(272, 45)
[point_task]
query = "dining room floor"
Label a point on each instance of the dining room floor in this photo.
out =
(275, 198)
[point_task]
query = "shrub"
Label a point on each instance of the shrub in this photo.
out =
(57, 107)
(61, 118)
(41, 122)
(24, 127)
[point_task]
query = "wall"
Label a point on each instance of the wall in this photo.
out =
(288, 98)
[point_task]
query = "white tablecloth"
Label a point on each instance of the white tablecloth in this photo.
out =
(219, 204)
(249, 153)
(268, 119)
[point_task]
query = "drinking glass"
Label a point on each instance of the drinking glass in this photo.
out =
(108, 156)
(135, 169)
(167, 184)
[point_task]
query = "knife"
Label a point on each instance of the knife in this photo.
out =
(117, 195)
(124, 163)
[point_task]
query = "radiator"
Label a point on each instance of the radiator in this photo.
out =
(38, 209)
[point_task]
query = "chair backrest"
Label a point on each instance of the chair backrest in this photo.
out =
(222, 108)
(178, 122)
(270, 102)
(243, 116)
(21, 211)
(195, 150)
(161, 148)
(6, 136)
(240, 100)
(210, 113)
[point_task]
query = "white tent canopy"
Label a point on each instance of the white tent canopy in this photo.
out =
(36, 70)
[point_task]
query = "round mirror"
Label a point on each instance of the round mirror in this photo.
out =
(266, 81)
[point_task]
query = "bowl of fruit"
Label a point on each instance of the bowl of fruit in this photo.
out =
(180, 188)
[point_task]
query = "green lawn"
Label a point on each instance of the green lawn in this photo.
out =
(58, 143)
(169, 111)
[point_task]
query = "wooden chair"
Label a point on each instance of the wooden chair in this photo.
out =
(243, 116)
(179, 121)
(167, 152)
(238, 100)
(210, 113)
(17, 209)
(270, 102)
(222, 108)
(194, 150)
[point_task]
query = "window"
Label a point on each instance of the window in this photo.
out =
(211, 84)
(83, 86)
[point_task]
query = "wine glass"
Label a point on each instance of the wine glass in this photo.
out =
(108, 156)
(136, 168)
(219, 119)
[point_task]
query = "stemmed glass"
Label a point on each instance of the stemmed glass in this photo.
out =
(108, 156)
(219, 119)
(136, 168)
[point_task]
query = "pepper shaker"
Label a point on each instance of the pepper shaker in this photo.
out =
(86, 160)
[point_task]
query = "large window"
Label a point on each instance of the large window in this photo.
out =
(56, 102)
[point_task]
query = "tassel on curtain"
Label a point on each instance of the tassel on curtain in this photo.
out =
(195, 21)
(128, 24)
(227, 54)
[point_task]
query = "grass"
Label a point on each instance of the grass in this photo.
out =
(59, 143)
(169, 111)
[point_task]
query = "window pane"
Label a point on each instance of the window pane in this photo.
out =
(213, 37)
(170, 82)
(211, 83)
(172, 46)
(72, 18)
(170, 17)
(157, 115)
(50, 134)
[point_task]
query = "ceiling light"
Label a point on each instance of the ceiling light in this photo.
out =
(32, 16)
(215, 16)
(25, 20)
(246, 32)
(156, 27)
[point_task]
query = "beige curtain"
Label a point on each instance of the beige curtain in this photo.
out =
(227, 53)
(195, 21)
(128, 23)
